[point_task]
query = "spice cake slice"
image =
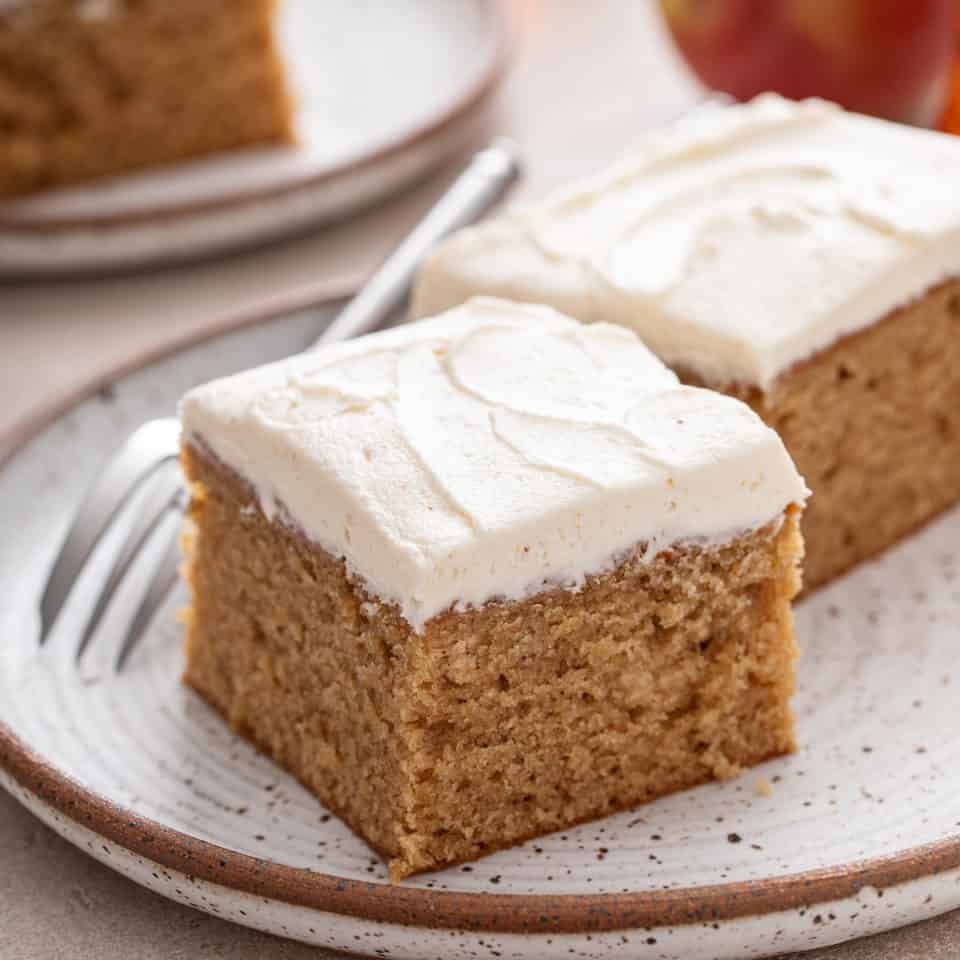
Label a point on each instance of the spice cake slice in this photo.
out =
(90, 88)
(800, 257)
(490, 574)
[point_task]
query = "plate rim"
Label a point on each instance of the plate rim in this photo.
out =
(482, 88)
(422, 906)
(568, 913)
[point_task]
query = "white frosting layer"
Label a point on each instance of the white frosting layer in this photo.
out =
(490, 452)
(737, 243)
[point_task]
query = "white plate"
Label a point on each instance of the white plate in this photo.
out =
(386, 89)
(859, 834)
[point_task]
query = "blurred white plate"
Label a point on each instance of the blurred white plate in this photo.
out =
(385, 90)
(858, 832)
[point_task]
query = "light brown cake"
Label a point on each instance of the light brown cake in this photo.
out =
(498, 724)
(799, 257)
(873, 424)
(90, 88)
(442, 730)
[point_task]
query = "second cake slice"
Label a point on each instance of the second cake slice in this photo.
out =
(795, 255)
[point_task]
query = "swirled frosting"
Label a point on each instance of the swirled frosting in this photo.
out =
(737, 243)
(491, 452)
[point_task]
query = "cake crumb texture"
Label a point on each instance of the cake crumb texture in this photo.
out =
(873, 425)
(89, 89)
(500, 723)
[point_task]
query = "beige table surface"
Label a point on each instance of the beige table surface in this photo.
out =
(587, 77)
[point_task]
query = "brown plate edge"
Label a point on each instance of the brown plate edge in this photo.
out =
(473, 98)
(419, 906)
(445, 909)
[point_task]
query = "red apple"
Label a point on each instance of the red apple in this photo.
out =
(886, 57)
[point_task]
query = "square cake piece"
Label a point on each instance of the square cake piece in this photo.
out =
(90, 88)
(488, 575)
(800, 257)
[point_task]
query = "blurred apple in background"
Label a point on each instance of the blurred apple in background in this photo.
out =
(891, 58)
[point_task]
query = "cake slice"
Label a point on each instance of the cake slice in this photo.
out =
(90, 88)
(488, 575)
(797, 256)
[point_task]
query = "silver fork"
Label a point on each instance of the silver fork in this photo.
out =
(145, 465)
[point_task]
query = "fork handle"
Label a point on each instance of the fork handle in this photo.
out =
(486, 178)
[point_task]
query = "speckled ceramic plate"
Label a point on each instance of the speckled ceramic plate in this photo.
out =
(386, 89)
(858, 832)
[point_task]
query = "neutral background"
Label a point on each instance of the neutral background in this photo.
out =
(586, 78)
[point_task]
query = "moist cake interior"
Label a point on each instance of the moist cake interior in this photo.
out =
(495, 724)
(873, 424)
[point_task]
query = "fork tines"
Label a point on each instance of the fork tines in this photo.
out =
(143, 465)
